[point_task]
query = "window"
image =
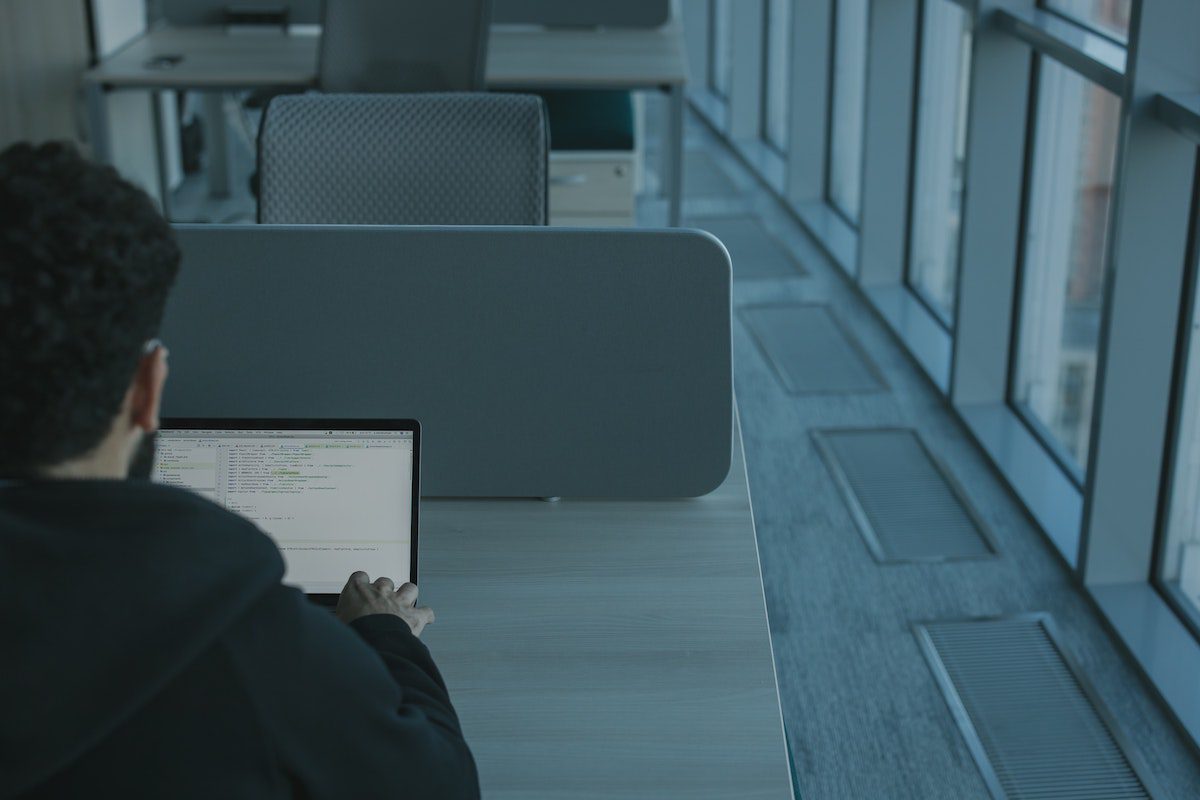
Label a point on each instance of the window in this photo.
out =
(846, 112)
(777, 39)
(1109, 17)
(1073, 142)
(721, 61)
(1179, 564)
(941, 140)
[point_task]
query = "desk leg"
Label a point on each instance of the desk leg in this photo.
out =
(164, 182)
(96, 102)
(674, 150)
(216, 142)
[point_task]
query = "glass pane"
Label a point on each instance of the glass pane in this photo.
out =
(1074, 150)
(1109, 17)
(779, 41)
(722, 47)
(1181, 553)
(846, 123)
(937, 187)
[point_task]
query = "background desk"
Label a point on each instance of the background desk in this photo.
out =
(530, 58)
(608, 649)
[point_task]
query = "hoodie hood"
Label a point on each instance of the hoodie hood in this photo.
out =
(110, 589)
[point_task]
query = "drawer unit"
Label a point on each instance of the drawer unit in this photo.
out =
(592, 186)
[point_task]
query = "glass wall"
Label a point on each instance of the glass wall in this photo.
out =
(777, 67)
(944, 77)
(1109, 17)
(1074, 138)
(846, 108)
(1179, 565)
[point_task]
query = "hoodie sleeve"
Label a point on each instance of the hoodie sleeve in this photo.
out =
(350, 709)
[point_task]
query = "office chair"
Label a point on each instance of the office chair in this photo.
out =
(459, 158)
(404, 45)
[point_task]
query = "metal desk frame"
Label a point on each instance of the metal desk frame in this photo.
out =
(214, 61)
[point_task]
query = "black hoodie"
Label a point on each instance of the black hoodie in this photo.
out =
(150, 650)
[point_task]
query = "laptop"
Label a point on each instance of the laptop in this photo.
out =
(336, 495)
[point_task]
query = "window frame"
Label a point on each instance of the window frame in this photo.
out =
(780, 150)
(948, 322)
(827, 181)
(712, 85)
(1044, 5)
(1077, 473)
(1186, 342)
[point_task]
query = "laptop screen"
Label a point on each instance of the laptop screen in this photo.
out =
(334, 501)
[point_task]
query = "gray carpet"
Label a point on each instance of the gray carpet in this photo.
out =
(863, 713)
(702, 177)
(809, 350)
(754, 251)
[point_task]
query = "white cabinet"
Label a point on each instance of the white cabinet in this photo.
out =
(592, 188)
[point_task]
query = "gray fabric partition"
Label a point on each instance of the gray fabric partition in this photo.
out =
(404, 45)
(460, 158)
(540, 361)
(557, 13)
(583, 13)
(212, 12)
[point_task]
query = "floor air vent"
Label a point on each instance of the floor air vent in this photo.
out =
(904, 502)
(809, 350)
(1031, 721)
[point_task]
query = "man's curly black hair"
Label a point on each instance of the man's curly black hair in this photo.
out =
(86, 262)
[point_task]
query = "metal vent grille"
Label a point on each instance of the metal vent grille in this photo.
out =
(1032, 723)
(906, 505)
(809, 351)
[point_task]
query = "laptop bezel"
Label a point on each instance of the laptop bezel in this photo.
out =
(314, 424)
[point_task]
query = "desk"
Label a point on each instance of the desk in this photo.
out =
(608, 649)
(214, 61)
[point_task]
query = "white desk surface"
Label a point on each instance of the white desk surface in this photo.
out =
(527, 57)
(607, 649)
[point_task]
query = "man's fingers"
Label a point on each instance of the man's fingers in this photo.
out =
(407, 594)
(382, 598)
(421, 617)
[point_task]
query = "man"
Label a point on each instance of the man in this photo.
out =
(149, 648)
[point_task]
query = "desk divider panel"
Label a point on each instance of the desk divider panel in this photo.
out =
(582, 13)
(212, 12)
(540, 361)
(554, 13)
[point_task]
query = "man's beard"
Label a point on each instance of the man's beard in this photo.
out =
(142, 465)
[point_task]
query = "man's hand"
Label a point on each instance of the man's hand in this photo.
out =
(360, 598)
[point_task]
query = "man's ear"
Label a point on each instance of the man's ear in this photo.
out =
(146, 391)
